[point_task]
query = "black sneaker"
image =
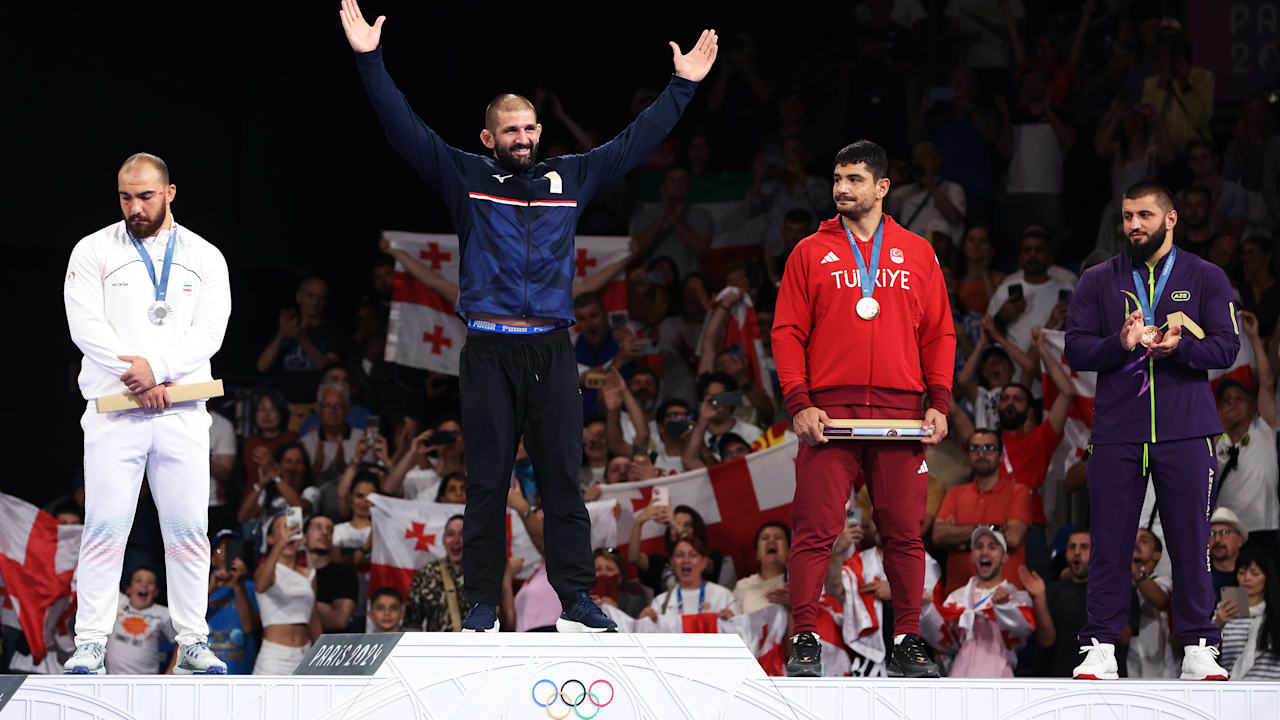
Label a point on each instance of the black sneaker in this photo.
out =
(806, 656)
(481, 618)
(583, 615)
(909, 659)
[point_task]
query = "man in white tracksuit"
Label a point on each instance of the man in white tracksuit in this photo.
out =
(147, 303)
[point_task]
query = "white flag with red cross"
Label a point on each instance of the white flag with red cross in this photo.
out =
(734, 499)
(761, 631)
(408, 534)
(425, 333)
(37, 561)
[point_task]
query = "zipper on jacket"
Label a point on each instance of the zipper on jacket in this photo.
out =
(1151, 364)
(528, 229)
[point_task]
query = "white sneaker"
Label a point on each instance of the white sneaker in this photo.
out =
(88, 660)
(1099, 662)
(198, 659)
(1198, 663)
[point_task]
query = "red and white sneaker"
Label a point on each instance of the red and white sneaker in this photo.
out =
(1099, 662)
(1199, 663)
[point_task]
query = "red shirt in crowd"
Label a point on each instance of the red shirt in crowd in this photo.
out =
(1026, 460)
(969, 504)
(827, 355)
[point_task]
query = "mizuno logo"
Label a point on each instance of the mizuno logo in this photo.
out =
(501, 178)
(829, 257)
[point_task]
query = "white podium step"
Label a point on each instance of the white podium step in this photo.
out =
(644, 676)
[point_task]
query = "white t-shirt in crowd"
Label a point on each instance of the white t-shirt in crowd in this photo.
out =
(1036, 165)
(1150, 650)
(222, 441)
(347, 535)
(915, 206)
(133, 648)
(718, 597)
(751, 590)
(1040, 301)
(1250, 489)
(419, 483)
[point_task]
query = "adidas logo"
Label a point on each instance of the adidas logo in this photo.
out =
(830, 257)
(924, 468)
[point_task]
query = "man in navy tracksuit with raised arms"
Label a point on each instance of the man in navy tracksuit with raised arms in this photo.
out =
(515, 219)
(1154, 413)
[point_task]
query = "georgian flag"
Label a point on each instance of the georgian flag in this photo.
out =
(37, 563)
(734, 499)
(425, 333)
(863, 614)
(408, 534)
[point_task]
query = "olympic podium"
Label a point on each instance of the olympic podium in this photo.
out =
(643, 676)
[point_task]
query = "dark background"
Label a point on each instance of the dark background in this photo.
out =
(278, 159)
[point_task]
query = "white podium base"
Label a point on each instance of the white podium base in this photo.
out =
(652, 677)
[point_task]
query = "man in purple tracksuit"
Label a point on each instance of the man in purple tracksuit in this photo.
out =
(1154, 415)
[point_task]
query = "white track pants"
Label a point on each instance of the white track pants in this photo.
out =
(173, 449)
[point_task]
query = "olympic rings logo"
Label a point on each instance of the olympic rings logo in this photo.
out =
(573, 702)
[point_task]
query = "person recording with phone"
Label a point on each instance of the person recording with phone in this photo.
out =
(415, 474)
(1032, 296)
(286, 593)
(233, 615)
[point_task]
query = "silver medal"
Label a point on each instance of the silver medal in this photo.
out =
(159, 312)
(868, 308)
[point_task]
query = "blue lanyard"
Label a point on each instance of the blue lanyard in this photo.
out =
(162, 287)
(866, 276)
(1148, 308)
(702, 597)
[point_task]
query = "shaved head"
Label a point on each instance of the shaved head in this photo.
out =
(1151, 189)
(138, 160)
(503, 103)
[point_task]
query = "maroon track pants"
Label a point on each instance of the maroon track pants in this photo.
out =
(825, 480)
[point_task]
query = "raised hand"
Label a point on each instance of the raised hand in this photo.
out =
(691, 66)
(362, 36)
(1249, 323)
(1031, 581)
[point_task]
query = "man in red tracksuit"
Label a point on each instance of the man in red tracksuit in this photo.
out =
(849, 348)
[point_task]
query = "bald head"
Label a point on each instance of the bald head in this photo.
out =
(138, 161)
(507, 102)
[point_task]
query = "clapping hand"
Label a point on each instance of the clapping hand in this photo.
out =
(362, 36)
(1032, 581)
(1167, 345)
(691, 66)
(1131, 333)
(1001, 595)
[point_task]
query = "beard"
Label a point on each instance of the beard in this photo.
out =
(857, 208)
(648, 403)
(141, 226)
(984, 467)
(1013, 419)
(513, 163)
(1141, 251)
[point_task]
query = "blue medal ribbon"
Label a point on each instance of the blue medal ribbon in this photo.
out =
(702, 597)
(1149, 308)
(162, 287)
(866, 276)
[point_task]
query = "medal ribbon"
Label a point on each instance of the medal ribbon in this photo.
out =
(702, 597)
(162, 287)
(866, 276)
(1148, 308)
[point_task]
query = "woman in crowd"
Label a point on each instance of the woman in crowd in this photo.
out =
(693, 594)
(270, 431)
(655, 571)
(978, 280)
(773, 547)
(354, 539)
(595, 457)
(437, 595)
(1251, 636)
(286, 594)
(609, 564)
(453, 489)
(279, 485)
(1259, 291)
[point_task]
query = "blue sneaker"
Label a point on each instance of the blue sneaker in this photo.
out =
(481, 618)
(583, 615)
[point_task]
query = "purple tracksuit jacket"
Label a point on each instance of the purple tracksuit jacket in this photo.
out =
(1141, 400)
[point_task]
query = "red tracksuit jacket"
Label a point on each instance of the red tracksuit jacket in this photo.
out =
(827, 355)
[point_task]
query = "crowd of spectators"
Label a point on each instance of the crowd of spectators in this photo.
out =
(989, 166)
